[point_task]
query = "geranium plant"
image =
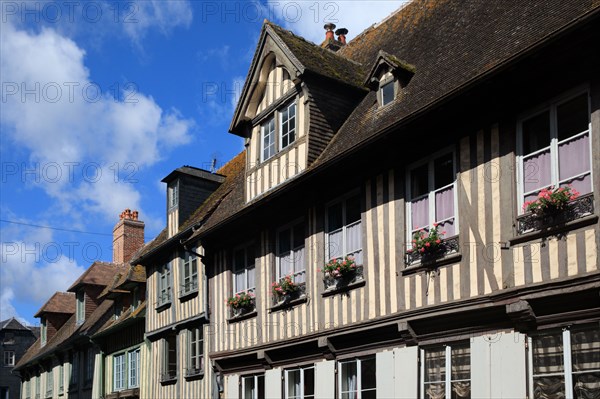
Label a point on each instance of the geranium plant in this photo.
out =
(427, 241)
(551, 199)
(242, 300)
(339, 268)
(284, 287)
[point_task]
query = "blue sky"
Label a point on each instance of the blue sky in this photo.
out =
(101, 100)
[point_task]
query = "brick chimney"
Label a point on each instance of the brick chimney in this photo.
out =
(330, 43)
(128, 236)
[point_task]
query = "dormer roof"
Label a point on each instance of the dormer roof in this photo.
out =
(99, 273)
(399, 68)
(60, 302)
(194, 172)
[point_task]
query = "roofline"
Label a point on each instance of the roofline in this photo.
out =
(537, 46)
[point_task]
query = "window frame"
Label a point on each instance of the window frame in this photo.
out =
(447, 367)
(277, 133)
(173, 194)
(255, 378)
(294, 130)
(430, 162)
(74, 377)
(43, 330)
(272, 138)
(61, 379)
(166, 375)
(302, 370)
(234, 268)
(358, 361)
(80, 306)
(551, 107)
(195, 337)
(49, 383)
(11, 359)
(387, 78)
(343, 200)
(190, 261)
(90, 356)
(293, 250)
(164, 283)
(126, 368)
(567, 372)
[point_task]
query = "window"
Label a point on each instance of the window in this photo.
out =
(9, 358)
(300, 383)
(164, 285)
(43, 331)
(253, 387)
(555, 148)
(49, 383)
(566, 364)
(38, 379)
(169, 358)
(80, 306)
(173, 194)
(195, 364)
(89, 365)
(61, 379)
(268, 138)
(387, 89)
(243, 270)
(344, 234)
(126, 369)
(28, 389)
(290, 253)
(437, 382)
(135, 301)
(189, 273)
(431, 191)
(288, 125)
(118, 308)
(271, 140)
(357, 378)
(74, 368)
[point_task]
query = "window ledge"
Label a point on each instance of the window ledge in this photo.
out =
(433, 263)
(243, 316)
(170, 380)
(554, 230)
(196, 375)
(288, 304)
(334, 290)
(184, 296)
(162, 306)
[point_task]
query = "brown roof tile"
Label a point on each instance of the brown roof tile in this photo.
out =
(60, 302)
(99, 273)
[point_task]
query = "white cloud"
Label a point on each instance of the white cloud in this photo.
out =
(65, 119)
(164, 15)
(307, 18)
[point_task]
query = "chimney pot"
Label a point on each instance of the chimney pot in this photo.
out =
(341, 33)
(128, 236)
(329, 31)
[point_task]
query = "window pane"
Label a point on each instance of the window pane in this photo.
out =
(547, 354)
(367, 373)
(419, 181)
(261, 386)
(352, 209)
(387, 93)
(239, 260)
(444, 204)
(536, 171)
(309, 382)
(251, 281)
(420, 213)
(298, 235)
(293, 384)
(585, 349)
(549, 387)
(349, 378)
(239, 281)
(334, 217)
(536, 133)
(284, 242)
(461, 362)
(354, 242)
(249, 387)
(574, 157)
(335, 245)
(572, 117)
(443, 169)
(435, 364)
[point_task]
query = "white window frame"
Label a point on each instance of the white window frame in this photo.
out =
(9, 358)
(385, 80)
(302, 369)
(272, 138)
(43, 330)
(430, 161)
(164, 284)
(255, 378)
(293, 130)
(119, 371)
(245, 268)
(189, 266)
(49, 383)
(551, 107)
(133, 365)
(173, 194)
(38, 386)
(28, 388)
(195, 362)
(293, 251)
(358, 361)
(80, 306)
(345, 226)
(448, 366)
(567, 361)
(61, 379)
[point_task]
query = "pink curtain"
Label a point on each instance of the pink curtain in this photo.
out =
(420, 213)
(536, 171)
(444, 204)
(574, 159)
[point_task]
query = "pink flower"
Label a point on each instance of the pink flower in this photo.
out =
(427, 244)
(422, 250)
(438, 241)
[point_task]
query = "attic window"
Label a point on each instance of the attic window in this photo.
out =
(80, 306)
(387, 89)
(43, 331)
(173, 194)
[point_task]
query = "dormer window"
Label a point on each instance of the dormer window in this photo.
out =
(388, 76)
(80, 306)
(173, 194)
(387, 89)
(43, 331)
(278, 132)
(268, 138)
(288, 125)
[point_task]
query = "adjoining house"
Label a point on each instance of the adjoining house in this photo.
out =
(66, 361)
(414, 215)
(15, 339)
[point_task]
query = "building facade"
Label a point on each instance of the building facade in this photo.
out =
(15, 338)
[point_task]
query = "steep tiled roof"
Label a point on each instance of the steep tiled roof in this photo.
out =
(12, 324)
(451, 43)
(319, 60)
(60, 302)
(127, 317)
(99, 273)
